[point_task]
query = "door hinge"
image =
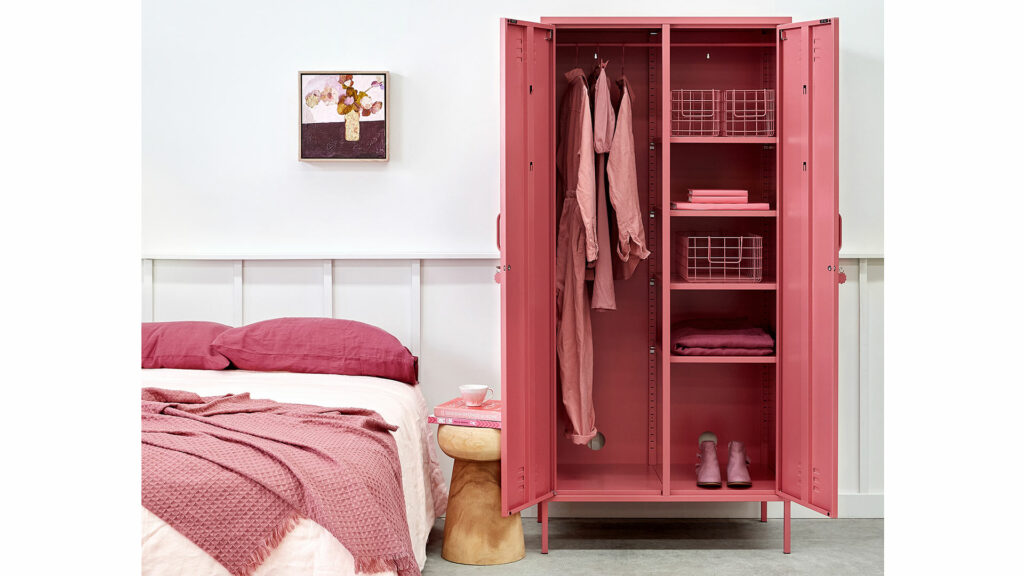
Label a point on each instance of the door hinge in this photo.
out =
(551, 35)
(512, 21)
(782, 34)
(824, 21)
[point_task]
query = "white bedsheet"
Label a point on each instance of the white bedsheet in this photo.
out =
(309, 548)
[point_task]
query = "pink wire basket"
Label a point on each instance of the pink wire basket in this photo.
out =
(696, 112)
(749, 113)
(719, 258)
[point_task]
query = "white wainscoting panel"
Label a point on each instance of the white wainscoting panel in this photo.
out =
(377, 292)
(278, 288)
(873, 421)
(193, 290)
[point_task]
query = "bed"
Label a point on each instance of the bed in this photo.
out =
(308, 548)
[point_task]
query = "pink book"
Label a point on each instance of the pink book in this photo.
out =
(713, 192)
(719, 199)
(456, 408)
(464, 422)
(719, 206)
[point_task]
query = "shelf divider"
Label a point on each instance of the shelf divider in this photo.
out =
(681, 284)
(721, 213)
(722, 359)
(723, 140)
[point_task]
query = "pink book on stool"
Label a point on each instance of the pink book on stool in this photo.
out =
(458, 413)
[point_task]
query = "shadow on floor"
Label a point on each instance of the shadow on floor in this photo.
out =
(685, 546)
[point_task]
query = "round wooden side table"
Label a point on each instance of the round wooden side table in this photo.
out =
(475, 532)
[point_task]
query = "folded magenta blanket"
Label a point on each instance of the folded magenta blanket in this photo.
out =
(685, 336)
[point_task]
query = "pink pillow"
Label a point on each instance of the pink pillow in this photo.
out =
(182, 345)
(318, 345)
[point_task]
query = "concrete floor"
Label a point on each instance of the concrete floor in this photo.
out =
(690, 546)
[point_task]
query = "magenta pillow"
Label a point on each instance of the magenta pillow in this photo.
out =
(182, 345)
(318, 345)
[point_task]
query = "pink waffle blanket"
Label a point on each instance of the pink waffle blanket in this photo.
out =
(695, 341)
(234, 475)
(723, 351)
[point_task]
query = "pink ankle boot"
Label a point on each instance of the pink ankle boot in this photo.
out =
(737, 472)
(709, 473)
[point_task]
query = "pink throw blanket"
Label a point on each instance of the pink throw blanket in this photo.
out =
(723, 351)
(727, 341)
(234, 475)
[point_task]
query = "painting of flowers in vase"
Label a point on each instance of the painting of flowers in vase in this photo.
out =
(343, 115)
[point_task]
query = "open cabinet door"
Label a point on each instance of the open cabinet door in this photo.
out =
(809, 230)
(526, 238)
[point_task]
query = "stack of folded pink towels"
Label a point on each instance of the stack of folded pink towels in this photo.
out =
(707, 199)
(729, 340)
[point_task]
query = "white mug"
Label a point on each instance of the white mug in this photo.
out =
(474, 394)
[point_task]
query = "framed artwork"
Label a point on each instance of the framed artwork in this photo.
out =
(343, 116)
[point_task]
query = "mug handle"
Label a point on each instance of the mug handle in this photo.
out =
(490, 392)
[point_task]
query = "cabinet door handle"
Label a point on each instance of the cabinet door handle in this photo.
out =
(497, 226)
(840, 232)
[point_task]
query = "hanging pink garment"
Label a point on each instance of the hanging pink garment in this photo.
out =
(576, 245)
(604, 130)
(631, 246)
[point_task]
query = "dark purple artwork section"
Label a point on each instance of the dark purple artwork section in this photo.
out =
(327, 140)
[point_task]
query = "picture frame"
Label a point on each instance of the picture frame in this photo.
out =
(344, 116)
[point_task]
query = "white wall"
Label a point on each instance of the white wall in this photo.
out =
(219, 98)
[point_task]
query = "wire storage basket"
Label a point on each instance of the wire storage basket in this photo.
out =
(696, 112)
(719, 258)
(749, 113)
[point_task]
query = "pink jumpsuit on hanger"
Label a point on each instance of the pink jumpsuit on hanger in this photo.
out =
(630, 246)
(577, 244)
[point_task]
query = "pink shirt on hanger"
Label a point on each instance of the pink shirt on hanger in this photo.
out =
(631, 246)
(604, 130)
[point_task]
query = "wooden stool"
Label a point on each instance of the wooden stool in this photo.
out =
(475, 532)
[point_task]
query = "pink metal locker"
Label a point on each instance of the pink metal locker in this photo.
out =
(772, 131)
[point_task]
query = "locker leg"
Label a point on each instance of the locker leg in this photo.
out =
(785, 527)
(764, 511)
(542, 513)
